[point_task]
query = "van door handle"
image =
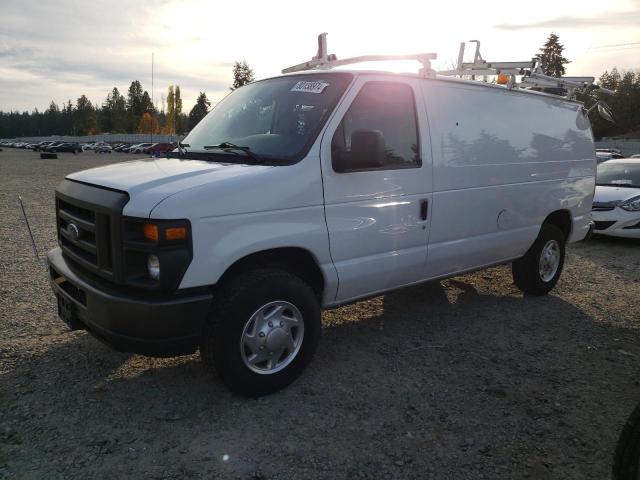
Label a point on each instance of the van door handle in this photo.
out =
(424, 208)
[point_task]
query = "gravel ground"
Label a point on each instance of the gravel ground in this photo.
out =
(458, 379)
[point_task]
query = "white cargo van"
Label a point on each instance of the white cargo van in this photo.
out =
(311, 190)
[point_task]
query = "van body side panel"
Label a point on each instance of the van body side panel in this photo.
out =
(503, 161)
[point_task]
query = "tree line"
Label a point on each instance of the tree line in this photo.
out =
(118, 113)
(133, 112)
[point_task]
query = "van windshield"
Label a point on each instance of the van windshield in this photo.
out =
(277, 118)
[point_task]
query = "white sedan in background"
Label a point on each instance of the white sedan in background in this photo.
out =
(616, 204)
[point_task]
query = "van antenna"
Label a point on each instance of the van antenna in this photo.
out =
(33, 241)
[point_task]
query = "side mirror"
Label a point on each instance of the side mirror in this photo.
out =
(603, 110)
(367, 152)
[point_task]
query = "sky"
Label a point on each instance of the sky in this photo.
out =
(59, 49)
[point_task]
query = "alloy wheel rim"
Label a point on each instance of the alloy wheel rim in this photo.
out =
(549, 260)
(272, 337)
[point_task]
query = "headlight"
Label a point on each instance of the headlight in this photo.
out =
(156, 252)
(631, 205)
(153, 266)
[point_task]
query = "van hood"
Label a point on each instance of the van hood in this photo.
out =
(149, 181)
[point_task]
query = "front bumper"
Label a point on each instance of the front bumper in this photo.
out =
(131, 321)
(617, 223)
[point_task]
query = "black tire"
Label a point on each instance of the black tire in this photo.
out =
(238, 300)
(526, 270)
(626, 460)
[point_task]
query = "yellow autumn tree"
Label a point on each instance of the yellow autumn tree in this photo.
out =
(148, 124)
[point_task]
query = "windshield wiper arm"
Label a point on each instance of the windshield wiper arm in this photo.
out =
(182, 147)
(230, 147)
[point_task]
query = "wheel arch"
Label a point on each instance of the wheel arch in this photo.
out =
(562, 220)
(296, 260)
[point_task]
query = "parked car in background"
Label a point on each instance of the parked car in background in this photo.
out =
(102, 148)
(616, 203)
(41, 145)
(88, 146)
(635, 155)
(51, 146)
(140, 148)
(131, 148)
(67, 147)
(609, 150)
(159, 148)
(603, 156)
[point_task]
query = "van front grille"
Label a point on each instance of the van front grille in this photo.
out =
(85, 217)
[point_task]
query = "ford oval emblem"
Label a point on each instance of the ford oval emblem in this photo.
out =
(73, 231)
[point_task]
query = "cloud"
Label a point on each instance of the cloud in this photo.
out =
(89, 48)
(611, 20)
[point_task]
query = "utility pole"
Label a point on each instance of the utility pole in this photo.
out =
(153, 105)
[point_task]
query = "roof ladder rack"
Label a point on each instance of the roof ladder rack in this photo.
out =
(530, 71)
(324, 61)
(479, 66)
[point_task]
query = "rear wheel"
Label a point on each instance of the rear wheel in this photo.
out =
(539, 270)
(263, 331)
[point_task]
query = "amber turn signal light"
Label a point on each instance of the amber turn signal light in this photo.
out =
(151, 232)
(503, 79)
(176, 233)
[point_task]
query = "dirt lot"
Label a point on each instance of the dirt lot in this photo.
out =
(459, 379)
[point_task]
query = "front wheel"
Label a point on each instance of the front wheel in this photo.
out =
(626, 461)
(539, 270)
(263, 331)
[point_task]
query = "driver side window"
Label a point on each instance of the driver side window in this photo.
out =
(379, 131)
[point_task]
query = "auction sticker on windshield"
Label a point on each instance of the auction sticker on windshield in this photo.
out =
(310, 87)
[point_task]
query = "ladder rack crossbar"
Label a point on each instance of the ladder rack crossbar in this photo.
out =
(324, 61)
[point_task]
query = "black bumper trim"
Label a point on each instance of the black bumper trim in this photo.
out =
(131, 323)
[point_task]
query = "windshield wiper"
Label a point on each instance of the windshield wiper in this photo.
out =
(182, 147)
(230, 147)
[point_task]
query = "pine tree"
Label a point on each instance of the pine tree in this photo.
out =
(170, 117)
(85, 117)
(134, 104)
(113, 114)
(551, 59)
(199, 110)
(242, 74)
(178, 110)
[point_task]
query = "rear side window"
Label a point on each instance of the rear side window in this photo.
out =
(389, 108)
